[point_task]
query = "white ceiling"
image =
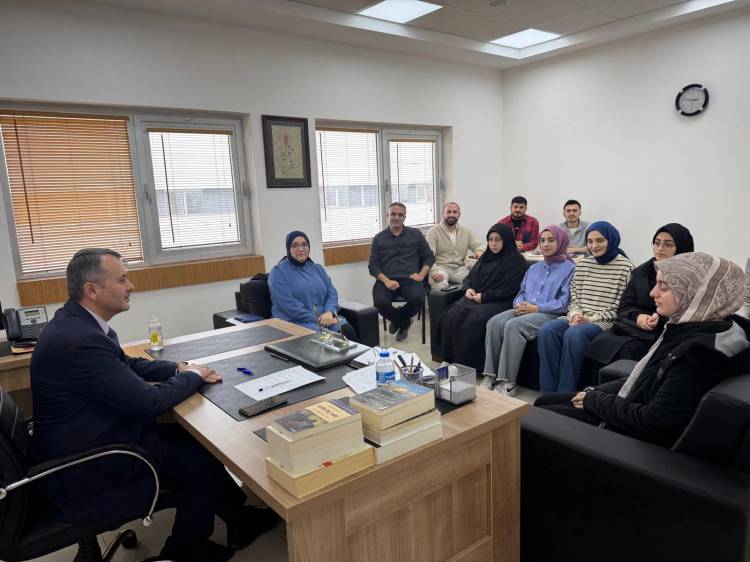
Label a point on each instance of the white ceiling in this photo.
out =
(458, 32)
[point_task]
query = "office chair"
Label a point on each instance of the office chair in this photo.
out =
(29, 527)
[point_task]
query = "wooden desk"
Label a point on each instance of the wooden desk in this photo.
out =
(14, 371)
(14, 378)
(454, 499)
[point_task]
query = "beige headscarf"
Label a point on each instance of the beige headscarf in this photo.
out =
(706, 288)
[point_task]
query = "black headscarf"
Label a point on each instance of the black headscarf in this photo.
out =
(509, 243)
(682, 238)
(289, 239)
(501, 273)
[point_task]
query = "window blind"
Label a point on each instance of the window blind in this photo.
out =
(412, 165)
(195, 187)
(349, 185)
(71, 187)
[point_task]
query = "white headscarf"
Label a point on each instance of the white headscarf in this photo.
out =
(705, 288)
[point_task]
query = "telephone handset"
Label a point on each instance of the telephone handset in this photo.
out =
(25, 324)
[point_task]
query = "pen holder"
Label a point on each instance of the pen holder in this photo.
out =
(412, 374)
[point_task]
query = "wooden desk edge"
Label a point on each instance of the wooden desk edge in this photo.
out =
(498, 410)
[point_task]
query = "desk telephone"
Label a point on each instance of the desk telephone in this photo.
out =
(25, 324)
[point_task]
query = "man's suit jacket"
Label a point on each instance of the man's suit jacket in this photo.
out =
(88, 393)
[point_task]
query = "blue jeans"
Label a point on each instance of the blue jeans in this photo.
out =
(561, 351)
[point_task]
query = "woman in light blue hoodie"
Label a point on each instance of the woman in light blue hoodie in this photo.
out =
(302, 292)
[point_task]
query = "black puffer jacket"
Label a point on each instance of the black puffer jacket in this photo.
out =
(692, 358)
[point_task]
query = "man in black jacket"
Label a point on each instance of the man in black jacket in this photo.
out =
(87, 393)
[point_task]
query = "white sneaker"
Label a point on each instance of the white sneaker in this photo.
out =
(488, 382)
(507, 388)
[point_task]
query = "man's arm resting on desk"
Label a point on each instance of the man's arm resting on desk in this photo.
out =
(99, 374)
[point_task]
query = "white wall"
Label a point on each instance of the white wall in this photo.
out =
(600, 126)
(81, 53)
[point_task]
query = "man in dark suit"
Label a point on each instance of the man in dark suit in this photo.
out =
(87, 393)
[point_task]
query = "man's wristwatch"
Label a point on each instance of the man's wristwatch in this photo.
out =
(589, 388)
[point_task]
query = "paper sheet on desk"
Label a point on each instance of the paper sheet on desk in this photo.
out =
(278, 383)
(370, 357)
(364, 379)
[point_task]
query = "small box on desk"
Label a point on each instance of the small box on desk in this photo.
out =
(457, 383)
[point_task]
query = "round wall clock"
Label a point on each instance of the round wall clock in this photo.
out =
(691, 100)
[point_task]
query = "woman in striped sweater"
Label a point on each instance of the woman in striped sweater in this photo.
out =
(598, 283)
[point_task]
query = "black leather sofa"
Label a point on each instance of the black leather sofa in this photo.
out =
(439, 301)
(589, 494)
(255, 298)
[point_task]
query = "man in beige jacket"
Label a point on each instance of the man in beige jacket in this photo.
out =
(452, 244)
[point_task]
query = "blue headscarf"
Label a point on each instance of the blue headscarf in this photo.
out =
(613, 240)
(289, 239)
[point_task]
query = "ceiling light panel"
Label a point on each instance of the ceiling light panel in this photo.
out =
(400, 11)
(525, 38)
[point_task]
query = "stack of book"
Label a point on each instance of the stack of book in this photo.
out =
(398, 417)
(317, 446)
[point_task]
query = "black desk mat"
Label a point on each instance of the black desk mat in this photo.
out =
(442, 406)
(262, 363)
(211, 345)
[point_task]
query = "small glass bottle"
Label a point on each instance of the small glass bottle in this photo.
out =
(155, 335)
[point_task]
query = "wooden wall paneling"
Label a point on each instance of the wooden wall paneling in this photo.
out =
(381, 540)
(429, 520)
(435, 472)
(419, 531)
(318, 535)
(52, 290)
(14, 371)
(470, 517)
(506, 492)
(478, 552)
(336, 255)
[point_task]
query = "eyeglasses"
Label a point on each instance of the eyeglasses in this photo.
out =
(664, 244)
(300, 246)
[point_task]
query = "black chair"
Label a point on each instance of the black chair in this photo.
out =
(420, 313)
(254, 297)
(29, 526)
(589, 494)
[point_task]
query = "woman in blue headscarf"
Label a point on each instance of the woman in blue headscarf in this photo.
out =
(598, 283)
(302, 292)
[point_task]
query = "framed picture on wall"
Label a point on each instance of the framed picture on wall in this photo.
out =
(287, 151)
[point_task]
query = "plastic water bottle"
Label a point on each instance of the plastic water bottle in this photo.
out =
(155, 335)
(384, 369)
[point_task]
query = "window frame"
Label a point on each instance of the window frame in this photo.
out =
(386, 133)
(145, 195)
(428, 135)
(147, 203)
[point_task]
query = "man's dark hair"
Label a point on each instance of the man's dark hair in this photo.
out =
(397, 204)
(572, 202)
(519, 199)
(83, 267)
